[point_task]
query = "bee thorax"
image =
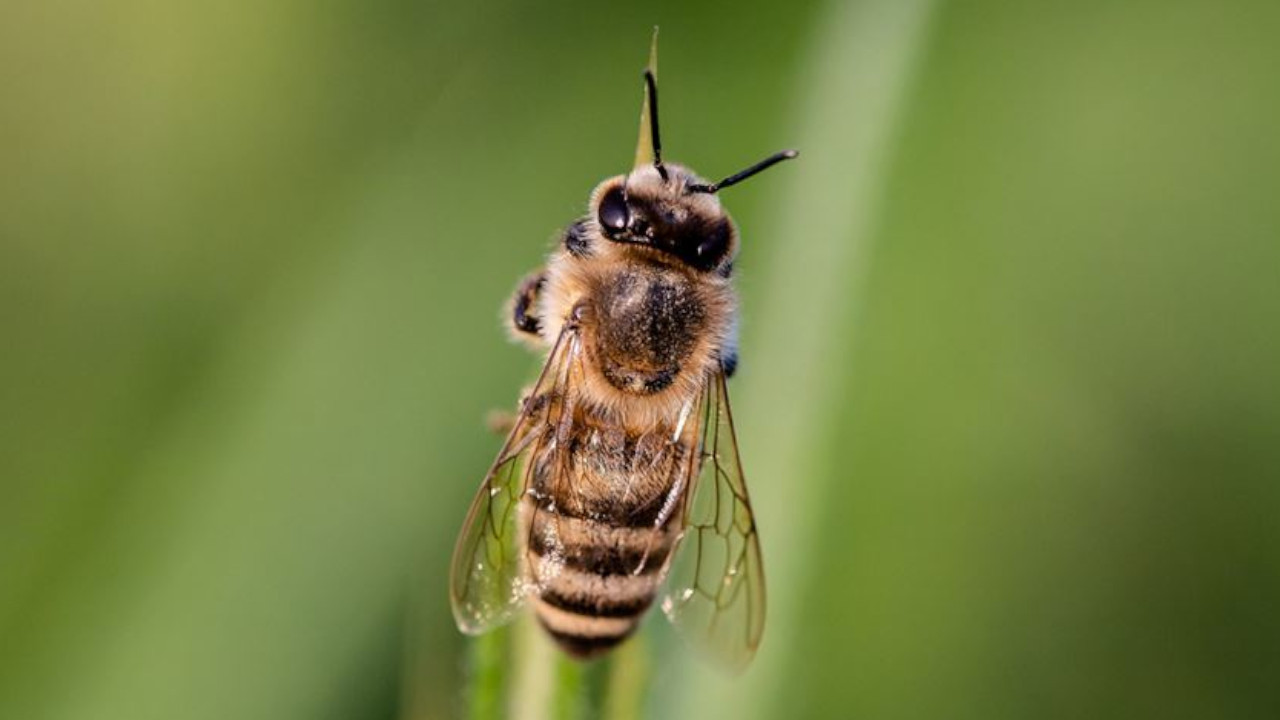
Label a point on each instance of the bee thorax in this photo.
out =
(647, 325)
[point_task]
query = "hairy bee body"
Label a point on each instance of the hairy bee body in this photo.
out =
(623, 451)
(602, 531)
(651, 329)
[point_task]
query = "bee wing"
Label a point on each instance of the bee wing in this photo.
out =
(715, 591)
(489, 579)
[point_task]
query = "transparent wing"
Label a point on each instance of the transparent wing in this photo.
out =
(715, 591)
(489, 579)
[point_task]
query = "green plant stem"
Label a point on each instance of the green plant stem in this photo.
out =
(628, 676)
(518, 673)
(489, 659)
(570, 700)
(532, 662)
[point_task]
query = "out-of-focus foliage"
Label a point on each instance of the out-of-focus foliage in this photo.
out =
(1009, 402)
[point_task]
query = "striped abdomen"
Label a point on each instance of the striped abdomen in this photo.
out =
(598, 534)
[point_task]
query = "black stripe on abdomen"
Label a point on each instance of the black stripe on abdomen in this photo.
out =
(645, 516)
(583, 634)
(582, 646)
(596, 606)
(603, 558)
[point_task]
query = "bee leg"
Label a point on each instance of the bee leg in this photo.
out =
(729, 362)
(523, 315)
(500, 422)
(729, 355)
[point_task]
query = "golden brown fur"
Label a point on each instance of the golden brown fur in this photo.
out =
(599, 532)
(573, 281)
(653, 329)
(600, 476)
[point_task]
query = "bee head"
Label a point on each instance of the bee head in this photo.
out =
(668, 207)
(642, 209)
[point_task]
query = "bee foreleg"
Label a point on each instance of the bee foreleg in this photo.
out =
(525, 324)
(729, 358)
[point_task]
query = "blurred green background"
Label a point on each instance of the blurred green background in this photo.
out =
(1010, 393)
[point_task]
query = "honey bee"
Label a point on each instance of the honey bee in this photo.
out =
(623, 451)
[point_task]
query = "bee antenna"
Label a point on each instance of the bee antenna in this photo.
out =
(741, 175)
(651, 85)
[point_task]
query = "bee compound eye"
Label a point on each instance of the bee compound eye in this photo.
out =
(711, 246)
(613, 214)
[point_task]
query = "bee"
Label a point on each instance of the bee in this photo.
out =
(623, 451)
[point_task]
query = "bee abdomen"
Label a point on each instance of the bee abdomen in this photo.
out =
(594, 640)
(584, 634)
(595, 580)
